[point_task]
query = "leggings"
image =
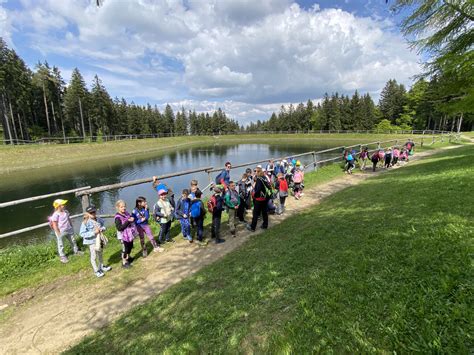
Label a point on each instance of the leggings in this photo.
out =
(186, 228)
(145, 229)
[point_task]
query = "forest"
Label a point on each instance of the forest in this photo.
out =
(38, 103)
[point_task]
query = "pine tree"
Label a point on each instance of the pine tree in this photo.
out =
(392, 100)
(101, 108)
(76, 103)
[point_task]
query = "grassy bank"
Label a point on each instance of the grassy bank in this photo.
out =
(26, 157)
(381, 267)
(36, 265)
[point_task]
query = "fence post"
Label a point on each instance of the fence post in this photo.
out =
(85, 201)
(432, 140)
(314, 161)
(378, 145)
(421, 144)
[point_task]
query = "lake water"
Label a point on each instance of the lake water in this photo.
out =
(96, 173)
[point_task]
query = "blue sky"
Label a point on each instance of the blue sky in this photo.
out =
(248, 57)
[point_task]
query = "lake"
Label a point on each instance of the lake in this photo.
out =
(96, 173)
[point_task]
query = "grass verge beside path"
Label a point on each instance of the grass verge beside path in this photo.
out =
(36, 265)
(380, 267)
(25, 157)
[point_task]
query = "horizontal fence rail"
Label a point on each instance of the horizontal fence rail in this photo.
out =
(85, 192)
(36, 198)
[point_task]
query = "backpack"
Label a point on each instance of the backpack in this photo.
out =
(219, 177)
(298, 177)
(283, 190)
(196, 209)
(212, 203)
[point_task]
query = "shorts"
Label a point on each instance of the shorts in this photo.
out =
(127, 247)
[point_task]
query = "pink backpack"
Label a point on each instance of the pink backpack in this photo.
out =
(298, 177)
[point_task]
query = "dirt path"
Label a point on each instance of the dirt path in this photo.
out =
(66, 311)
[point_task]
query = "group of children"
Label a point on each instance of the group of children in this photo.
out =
(264, 190)
(386, 158)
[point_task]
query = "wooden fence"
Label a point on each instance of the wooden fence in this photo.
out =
(84, 193)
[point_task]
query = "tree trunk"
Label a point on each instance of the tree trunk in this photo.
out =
(5, 117)
(460, 123)
(21, 126)
(82, 120)
(452, 123)
(13, 119)
(54, 117)
(46, 110)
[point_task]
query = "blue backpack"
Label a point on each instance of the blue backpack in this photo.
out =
(196, 210)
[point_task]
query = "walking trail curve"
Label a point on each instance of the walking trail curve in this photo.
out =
(62, 313)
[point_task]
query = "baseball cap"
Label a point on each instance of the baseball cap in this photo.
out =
(91, 209)
(59, 202)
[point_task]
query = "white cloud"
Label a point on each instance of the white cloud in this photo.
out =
(241, 53)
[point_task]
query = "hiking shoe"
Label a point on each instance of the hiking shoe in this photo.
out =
(99, 274)
(64, 259)
(144, 253)
(219, 241)
(79, 253)
(249, 228)
(158, 249)
(106, 268)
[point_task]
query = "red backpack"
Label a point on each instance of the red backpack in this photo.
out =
(211, 204)
(283, 185)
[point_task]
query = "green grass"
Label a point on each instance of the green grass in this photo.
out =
(382, 267)
(36, 265)
(25, 157)
(26, 266)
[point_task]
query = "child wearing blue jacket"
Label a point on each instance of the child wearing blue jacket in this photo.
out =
(183, 213)
(91, 231)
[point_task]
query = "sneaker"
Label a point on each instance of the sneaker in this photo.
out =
(126, 266)
(99, 274)
(158, 249)
(144, 253)
(64, 259)
(106, 268)
(202, 243)
(79, 253)
(171, 241)
(130, 259)
(249, 228)
(219, 241)
(262, 227)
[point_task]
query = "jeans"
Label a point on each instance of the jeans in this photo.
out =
(216, 225)
(70, 237)
(260, 207)
(165, 231)
(199, 223)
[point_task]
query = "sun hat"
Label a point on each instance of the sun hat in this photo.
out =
(59, 202)
(162, 192)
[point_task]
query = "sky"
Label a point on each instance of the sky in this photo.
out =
(248, 57)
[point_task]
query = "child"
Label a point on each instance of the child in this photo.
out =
(232, 202)
(375, 159)
(363, 156)
(298, 178)
(261, 194)
(282, 187)
(141, 214)
(126, 232)
(349, 162)
(193, 188)
(388, 158)
(183, 210)
(157, 185)
(396, 155)
(249, 185)
(163, 212)
(381, 156)
(198, 213)
(215, 206)
(243, 194)
(61, 224)
(91, 233)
